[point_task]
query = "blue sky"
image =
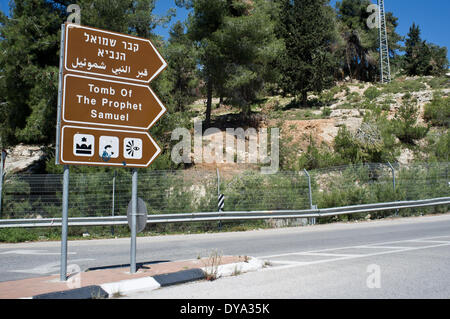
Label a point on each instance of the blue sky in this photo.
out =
(431, 15)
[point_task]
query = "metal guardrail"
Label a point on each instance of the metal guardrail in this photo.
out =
(221, 216)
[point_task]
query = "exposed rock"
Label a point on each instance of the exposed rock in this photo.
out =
(345, 112)
(23, 158)
(406, 156)
(368, 134)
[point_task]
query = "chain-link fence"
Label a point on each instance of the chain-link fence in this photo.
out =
(108, 193)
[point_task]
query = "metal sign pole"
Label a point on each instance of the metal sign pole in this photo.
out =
(65, 199)
(133, 221)
(3, 157)
(113, 201)
(60, 77)
(65, 205)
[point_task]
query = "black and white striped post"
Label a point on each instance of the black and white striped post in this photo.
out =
(220, 198)
(221, 202)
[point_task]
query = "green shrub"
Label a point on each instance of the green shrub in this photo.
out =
(326, 112)
(367, 105)
(17, 235)
(327, 97)
(438, 148)
(345, 145)
(354, 97)
(370, 144)
(439, 83)
(407, 96)
(372, 93)
(438, 111)
(402, 87)
(319, 157)
(346, 105)
(405, 123)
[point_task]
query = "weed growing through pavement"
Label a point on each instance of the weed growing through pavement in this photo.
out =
(212, 265)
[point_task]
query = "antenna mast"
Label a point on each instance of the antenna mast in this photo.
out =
(385, 71)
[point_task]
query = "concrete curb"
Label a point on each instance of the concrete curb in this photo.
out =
(89, 292)
(253, 264)
(180, 277)
(150, 283)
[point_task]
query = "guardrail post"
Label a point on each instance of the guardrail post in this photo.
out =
(311, 221)
(218, 194)
(393, 182)
(3, 158)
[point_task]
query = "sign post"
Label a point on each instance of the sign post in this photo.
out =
(105, 108)
(2, 168)
(65, 223)
(133, 220)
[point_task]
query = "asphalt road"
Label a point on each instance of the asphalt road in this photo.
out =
(401, 258)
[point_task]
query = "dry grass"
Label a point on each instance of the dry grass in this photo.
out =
(212, 265)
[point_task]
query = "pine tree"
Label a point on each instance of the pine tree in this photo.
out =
(29, 62)
(29, 71)
(236, 43)
(416, 57)
(359, 45)
(423, 58)
(307, 28)
(182, 70)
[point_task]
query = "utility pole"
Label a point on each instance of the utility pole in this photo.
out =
(385, 67)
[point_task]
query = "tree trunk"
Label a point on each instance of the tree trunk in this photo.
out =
(304, 99)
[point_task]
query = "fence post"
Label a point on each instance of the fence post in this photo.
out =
(311, 221)
(2, 164)
(393, 182)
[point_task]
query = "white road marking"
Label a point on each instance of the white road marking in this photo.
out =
(31, 252)
(431, 241)
(392, 250)
(350, 247)
(288, 262)
(328, 254)
(384, 247)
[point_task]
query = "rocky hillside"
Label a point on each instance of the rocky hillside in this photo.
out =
(346, 104)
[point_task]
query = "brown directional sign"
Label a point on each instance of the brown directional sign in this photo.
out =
(106, 105)
(88, 100)
(107, 147)
(91, 51)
